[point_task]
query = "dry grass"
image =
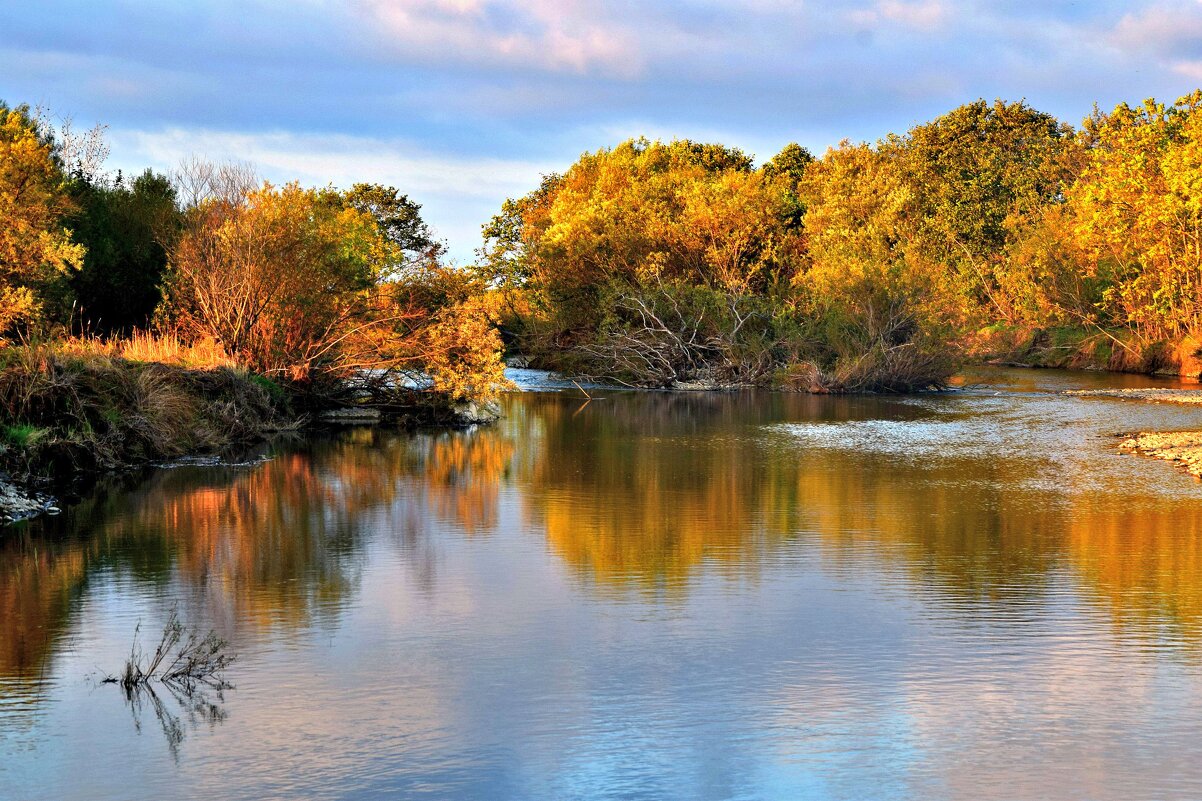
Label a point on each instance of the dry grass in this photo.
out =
(182, 657)
(150, 348)
(94, 406)
(207, 354)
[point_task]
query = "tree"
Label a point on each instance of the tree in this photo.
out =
(36, 250)
(790, 164)
(303, 283)
(977, 175)
(792, 160)
(127, 229)
(632, 246)
(398, 217)
(1137, 215)
(276, 278)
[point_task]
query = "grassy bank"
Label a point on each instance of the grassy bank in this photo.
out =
(83, 405)
(77, 407)
(1086, 349)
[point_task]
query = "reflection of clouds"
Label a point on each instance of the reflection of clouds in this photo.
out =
(656, 595)
(1057, 713)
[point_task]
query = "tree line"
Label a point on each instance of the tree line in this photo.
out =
(306, 285)
(874, 266)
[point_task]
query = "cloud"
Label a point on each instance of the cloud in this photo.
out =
(578, 36)
(920, 15)
(1161, 30)
(458, 193)
(465, 102)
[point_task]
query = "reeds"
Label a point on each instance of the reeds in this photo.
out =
(189, 668)
(183, 658)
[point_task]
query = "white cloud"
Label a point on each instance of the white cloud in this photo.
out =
(458, 193)
(1190, 69)
(921, 15)
(1163, 29)
(578, 36)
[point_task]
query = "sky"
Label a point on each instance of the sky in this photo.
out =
(462, 103)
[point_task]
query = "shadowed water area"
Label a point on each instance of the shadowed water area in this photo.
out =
(649, 595)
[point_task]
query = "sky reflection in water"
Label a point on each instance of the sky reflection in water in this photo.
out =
(650, 596)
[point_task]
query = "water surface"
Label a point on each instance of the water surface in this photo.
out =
(649, 595)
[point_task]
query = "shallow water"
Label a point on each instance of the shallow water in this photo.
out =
(649, 595)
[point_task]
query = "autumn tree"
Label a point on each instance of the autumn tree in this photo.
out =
(307, 284)
(36, 249)
(649, 248)
(1137, 215)
(977, 177)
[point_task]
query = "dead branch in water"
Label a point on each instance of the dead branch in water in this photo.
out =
(183, 658)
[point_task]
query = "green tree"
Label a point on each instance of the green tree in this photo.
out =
(398, 217)
(977, 175)
(127, 229)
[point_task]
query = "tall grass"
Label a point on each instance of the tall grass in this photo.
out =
(85, 402)
(149, 347)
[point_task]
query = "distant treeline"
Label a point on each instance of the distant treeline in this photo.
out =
(874, 266)
(304, 286)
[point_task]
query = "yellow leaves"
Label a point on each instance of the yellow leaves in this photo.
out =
(464, 355)
(1137, 212)
(17, 304)
(298, 282)
(34, 246)
(650, 211)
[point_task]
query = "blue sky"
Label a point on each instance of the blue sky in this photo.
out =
(461, 103)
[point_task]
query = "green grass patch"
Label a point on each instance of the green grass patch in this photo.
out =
(274, 390)
(22, 436)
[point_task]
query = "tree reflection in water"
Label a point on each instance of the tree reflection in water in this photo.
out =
(637, 493)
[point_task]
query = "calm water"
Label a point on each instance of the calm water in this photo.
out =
(650, 595)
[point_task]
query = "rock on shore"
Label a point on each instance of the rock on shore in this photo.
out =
(1183, 448)
(1185, 396)
(473, 413)
(19, 504)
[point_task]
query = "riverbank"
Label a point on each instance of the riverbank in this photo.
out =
(1187, 397)
(1182, 448)
(70, 414)
(1076, 348)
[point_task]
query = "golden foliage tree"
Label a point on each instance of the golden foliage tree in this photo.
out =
(35, 248)
(1137, 215)
(307, 284)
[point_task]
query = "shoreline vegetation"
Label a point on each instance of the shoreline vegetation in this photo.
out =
(995, 232)
(148, 317)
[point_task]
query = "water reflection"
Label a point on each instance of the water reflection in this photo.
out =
(974, 498)
(176, 709)
(823, 580)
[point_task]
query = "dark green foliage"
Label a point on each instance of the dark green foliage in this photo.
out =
(792, 161)
(399, 219)
(126, 228)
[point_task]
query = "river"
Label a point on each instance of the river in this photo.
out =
(742, 595)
